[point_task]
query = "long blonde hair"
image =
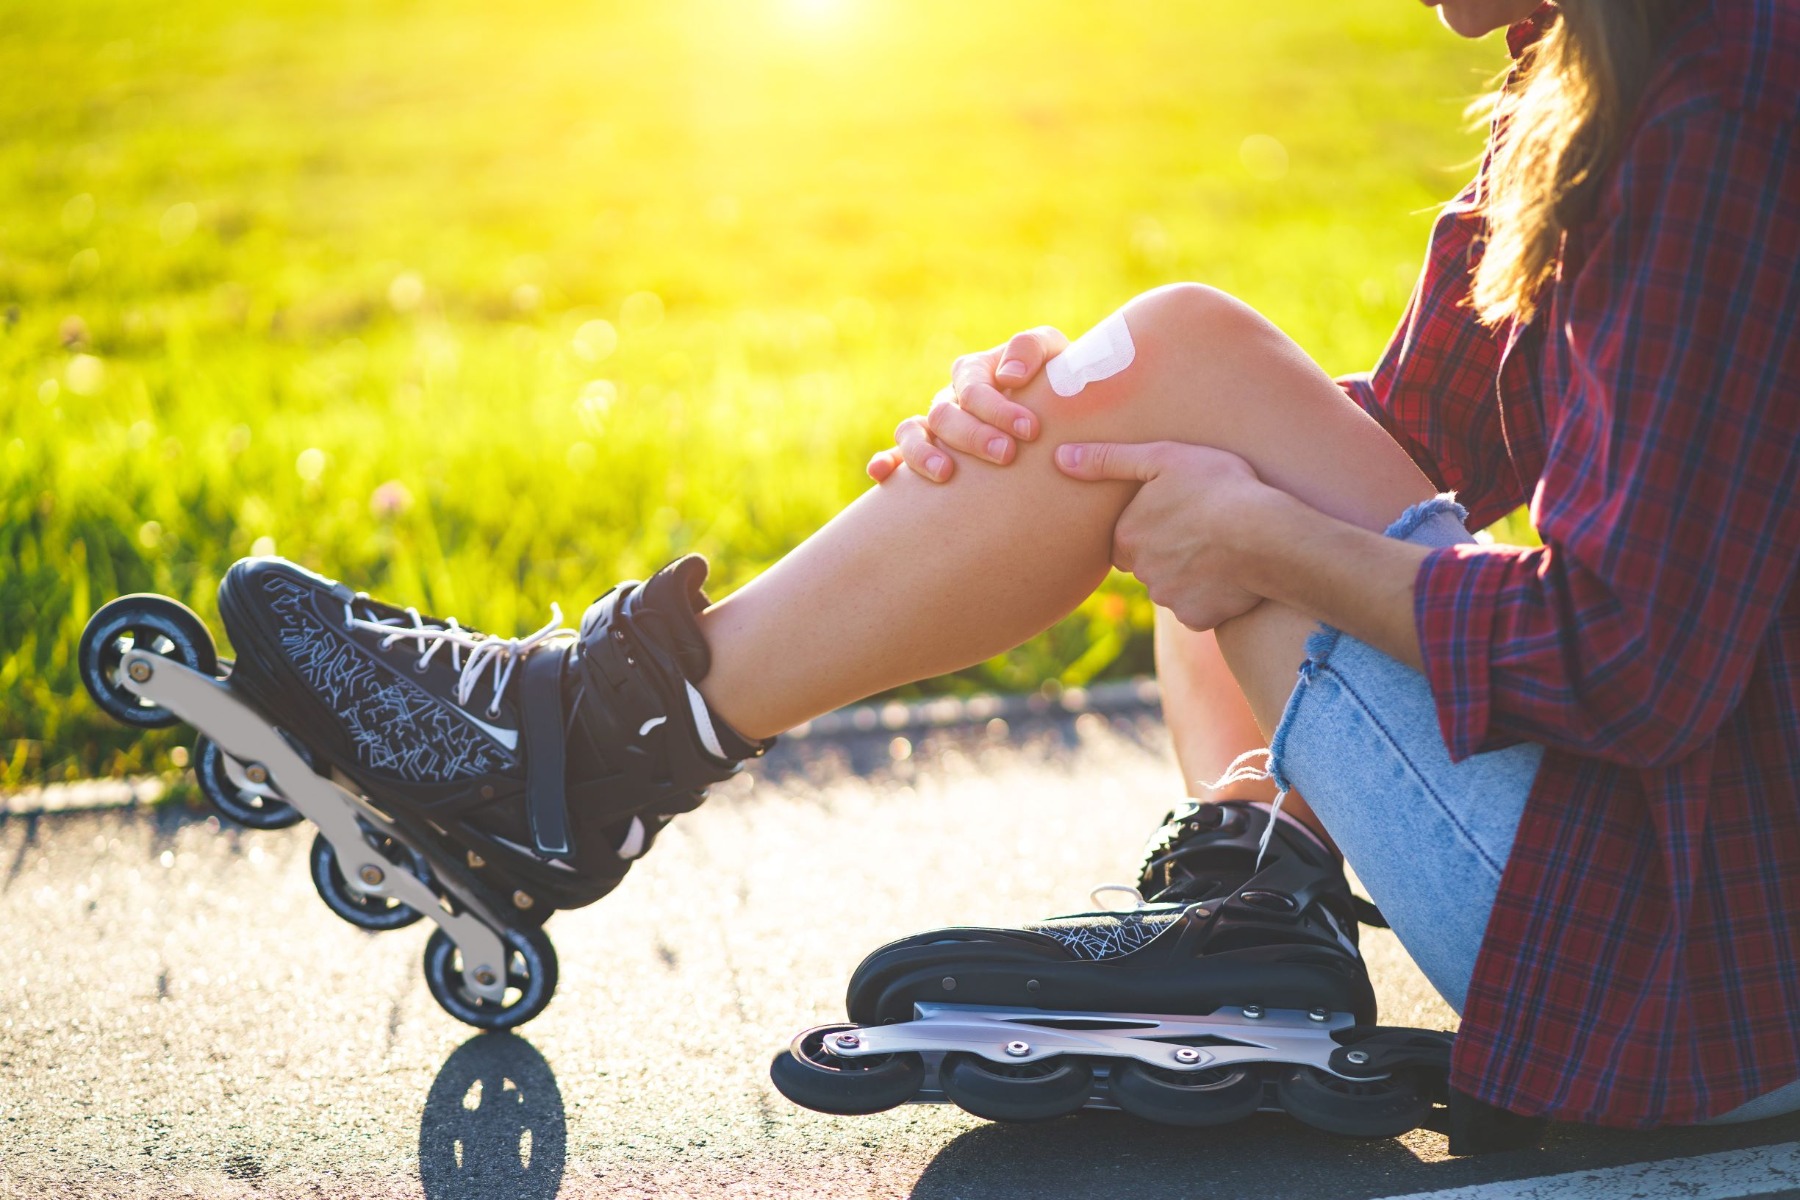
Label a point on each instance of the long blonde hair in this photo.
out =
(1558, 131)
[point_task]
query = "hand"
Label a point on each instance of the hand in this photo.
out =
(973, 414)
(1180, 533)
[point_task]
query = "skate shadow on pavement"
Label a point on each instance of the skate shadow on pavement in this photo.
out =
(493, 1127)
(1108, 1154)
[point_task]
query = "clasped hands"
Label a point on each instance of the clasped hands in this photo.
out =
(1186, 532)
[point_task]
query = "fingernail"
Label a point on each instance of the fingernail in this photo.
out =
(1069, 456)
(1022, 427)
(934, 466)
(1012, 368)
(997, 448)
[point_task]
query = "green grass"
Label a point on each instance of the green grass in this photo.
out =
(325, 276)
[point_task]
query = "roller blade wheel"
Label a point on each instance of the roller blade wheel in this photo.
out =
(1035, 1091)
(143, 622)
(363, 910)
(243, 800)
(813, 1077)
(530, 980)
(1372, 1108)
(1192, 1098)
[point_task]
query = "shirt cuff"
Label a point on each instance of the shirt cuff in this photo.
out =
(1454, 598)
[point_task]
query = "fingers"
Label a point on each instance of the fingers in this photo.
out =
(978, 379)
(999, 417)
(913, 442)
(1026, 353)
(1141, 462)
(953, 426)
(885, 463)
(974, 370)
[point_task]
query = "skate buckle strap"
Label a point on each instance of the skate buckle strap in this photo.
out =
(541, 720)
(646, 743)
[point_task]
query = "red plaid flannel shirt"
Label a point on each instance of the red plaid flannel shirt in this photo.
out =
(1642, 965)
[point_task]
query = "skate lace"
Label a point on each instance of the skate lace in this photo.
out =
(484, 650)
(1241, 770)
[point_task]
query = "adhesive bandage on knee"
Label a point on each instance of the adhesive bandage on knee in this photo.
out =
(1100, 353)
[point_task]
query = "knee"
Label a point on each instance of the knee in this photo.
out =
(1178, 320)
(1192, 358)
(1164, 346)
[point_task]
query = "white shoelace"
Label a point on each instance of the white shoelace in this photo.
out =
(484, 650)
(1241, 770)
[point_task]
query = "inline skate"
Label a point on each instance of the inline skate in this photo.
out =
(481, 781)
(1232, 984)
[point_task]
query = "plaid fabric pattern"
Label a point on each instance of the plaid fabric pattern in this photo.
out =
(1642, 964)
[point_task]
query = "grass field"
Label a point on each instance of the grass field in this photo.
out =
(483, 306)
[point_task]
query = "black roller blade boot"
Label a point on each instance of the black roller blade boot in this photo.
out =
(547, 764)
(1232, 985)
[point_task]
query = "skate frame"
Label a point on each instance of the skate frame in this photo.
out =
(1229, 1038)
(209, 705)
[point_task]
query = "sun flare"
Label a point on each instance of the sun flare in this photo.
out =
(818, 12)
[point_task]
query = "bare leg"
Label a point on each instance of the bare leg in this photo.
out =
(1209, 717)
(915, 579)
(1263, 647)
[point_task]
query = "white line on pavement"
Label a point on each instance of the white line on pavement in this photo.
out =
(1724, 1176)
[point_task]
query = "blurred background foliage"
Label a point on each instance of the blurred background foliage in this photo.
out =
(483, 306)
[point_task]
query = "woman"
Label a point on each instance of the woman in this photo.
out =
(1594, 741)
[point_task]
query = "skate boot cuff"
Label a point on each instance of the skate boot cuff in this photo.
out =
(1205, 847)
(642, 741)
(665, 610)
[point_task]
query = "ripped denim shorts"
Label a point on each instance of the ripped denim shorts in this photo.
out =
(1360, 740)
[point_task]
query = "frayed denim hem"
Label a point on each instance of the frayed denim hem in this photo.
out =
(1321, 641)
(1408, 522)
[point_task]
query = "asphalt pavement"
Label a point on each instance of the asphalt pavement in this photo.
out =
(186, 1018)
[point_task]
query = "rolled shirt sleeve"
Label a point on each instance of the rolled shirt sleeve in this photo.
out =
(1668, 505)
